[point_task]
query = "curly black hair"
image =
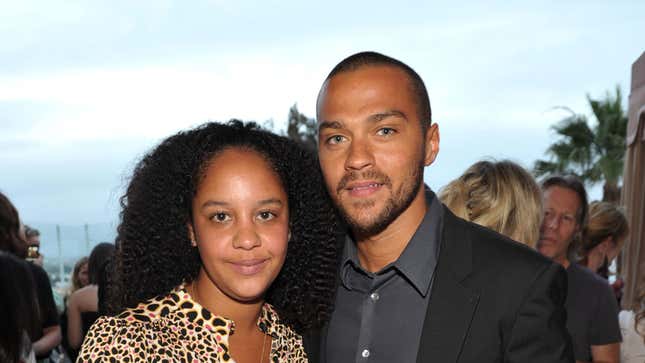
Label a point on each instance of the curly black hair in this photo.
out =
(154, 252)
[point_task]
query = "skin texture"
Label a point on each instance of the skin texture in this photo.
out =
(372, 152)
(82, 300)
(241, 227)
(608, 353)
(50, 339)
(607, 249)
(559, 225)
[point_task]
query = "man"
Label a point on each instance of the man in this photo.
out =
(592, 312)
(417, 284)
(33, 245)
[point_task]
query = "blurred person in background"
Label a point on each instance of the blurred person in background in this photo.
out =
(32, 236)
(80, 275)
(12, 240)
(632, 326)
(592, 311)
(19, 317)
(602, 240)
(79, 279)
(603, 237)
(499, 195)
(82, 305)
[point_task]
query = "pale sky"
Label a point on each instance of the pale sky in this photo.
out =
(87, 87)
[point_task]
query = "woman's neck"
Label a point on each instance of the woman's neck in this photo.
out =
(595, 259)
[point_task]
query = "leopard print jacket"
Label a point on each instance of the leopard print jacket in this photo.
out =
(175, 328)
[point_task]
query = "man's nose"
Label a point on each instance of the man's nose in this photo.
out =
(359, 155)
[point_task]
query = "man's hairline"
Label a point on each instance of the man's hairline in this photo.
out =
(411, 85)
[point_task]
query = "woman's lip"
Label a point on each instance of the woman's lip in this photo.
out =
(249, 267)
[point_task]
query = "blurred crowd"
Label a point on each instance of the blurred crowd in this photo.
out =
(553, 217)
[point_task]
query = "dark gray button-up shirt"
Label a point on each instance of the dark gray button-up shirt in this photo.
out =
(378, 317)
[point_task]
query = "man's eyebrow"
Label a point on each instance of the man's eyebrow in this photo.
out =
(330, 125)
(380, 116)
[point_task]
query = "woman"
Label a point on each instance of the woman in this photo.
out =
(499, 195)
(80, 279)
(603, 237)
(82, 307)
(226, 252)
(12, 241)
(80, 276)
(18, 304)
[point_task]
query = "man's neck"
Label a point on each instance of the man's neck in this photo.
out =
(379, 250)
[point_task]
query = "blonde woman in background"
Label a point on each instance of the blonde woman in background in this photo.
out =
(603, 237)
(80, 275)
(499, 195)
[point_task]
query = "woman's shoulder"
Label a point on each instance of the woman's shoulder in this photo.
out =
(125, 334)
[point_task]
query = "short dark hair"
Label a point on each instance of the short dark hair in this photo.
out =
(418, 88)
(574, 184)
(31, 232)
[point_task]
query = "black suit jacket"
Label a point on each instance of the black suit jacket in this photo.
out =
(493, 300)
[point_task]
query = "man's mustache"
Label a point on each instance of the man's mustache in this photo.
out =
(372, 175)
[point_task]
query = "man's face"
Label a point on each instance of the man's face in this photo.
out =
(371, 145)
(559, 225)
(34, 240)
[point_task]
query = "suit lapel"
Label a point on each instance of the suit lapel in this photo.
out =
(452, 304)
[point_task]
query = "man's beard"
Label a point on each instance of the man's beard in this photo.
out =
(396, 204)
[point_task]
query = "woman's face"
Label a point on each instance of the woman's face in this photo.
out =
(240, 224)
(83, 276)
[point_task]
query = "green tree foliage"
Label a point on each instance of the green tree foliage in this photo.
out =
(302, 129)
(593, 153)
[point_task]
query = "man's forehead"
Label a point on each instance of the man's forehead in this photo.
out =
(562, 198)
(374, 77)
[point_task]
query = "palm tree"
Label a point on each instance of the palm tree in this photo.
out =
(595, 153)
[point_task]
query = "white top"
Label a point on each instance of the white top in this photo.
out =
(632, 350)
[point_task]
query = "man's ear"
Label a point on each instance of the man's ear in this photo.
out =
(431, 144)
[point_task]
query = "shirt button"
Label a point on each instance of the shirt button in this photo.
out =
(375, 296)
(365, 353)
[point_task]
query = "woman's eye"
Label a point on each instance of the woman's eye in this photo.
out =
(220, 217)
(265, 216)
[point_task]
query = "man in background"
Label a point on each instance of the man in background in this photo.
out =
(592, 312)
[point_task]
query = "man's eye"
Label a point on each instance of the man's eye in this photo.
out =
(336, 139)
(386, 131)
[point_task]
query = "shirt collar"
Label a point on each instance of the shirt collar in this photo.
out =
(419, 258)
